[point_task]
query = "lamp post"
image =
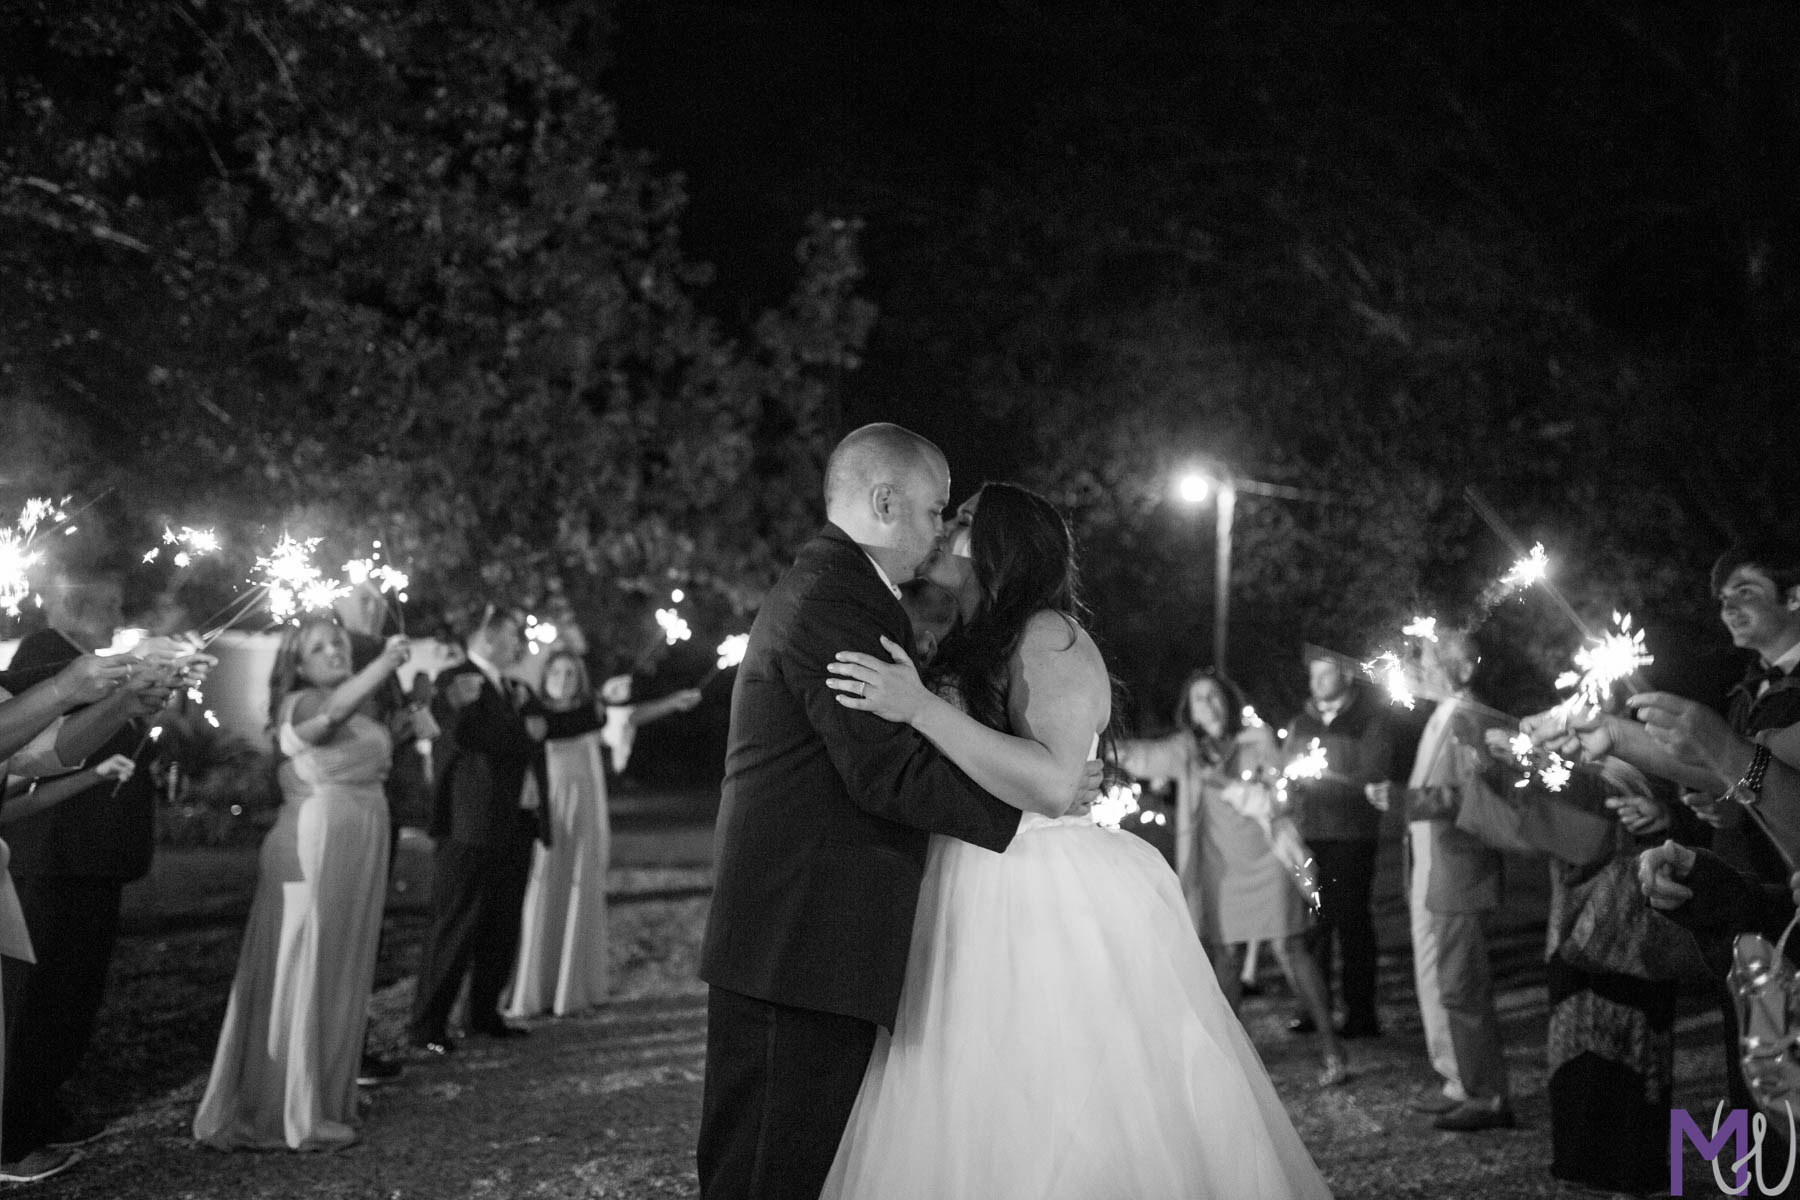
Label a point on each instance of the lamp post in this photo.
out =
(1195, 486)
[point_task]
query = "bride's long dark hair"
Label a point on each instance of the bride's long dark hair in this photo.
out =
(1024, 560)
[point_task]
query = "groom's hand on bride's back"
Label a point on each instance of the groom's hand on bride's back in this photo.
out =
(1087, 788)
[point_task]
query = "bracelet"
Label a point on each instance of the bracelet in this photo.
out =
(1748, 790)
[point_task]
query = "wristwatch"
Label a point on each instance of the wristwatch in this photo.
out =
(1748, 790)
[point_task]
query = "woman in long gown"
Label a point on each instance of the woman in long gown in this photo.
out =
(562, 963)
(285, 1070)
(1237, 888)
(1060, 1033)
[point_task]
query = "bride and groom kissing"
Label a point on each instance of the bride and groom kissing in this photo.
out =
(930, 974)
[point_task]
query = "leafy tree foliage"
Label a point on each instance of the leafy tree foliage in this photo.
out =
(383, 271)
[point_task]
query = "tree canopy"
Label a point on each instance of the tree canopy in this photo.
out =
(384, 273)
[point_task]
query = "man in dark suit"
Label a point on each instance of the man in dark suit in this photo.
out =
(70, 864)
(488, 809)
(822, 832)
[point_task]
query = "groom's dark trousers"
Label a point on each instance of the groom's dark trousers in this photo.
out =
(824, 820)
(780, 1082)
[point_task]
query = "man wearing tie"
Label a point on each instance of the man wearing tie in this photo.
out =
(487, 809)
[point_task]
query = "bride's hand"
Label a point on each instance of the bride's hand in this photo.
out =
(890, 690)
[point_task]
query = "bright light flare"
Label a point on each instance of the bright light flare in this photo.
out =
(1115, 804)
(1311, 764)
(124, 641)
(1194, 488)
(731, 650)
(674, 628)
(1421, 627)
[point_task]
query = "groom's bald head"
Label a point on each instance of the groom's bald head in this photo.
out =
(886, 487)
(873, 455)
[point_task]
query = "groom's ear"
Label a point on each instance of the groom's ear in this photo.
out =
(881, 501)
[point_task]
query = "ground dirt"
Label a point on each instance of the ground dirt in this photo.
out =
(605, 1104)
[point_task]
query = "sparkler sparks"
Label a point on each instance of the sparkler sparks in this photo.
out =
(1388, 671)
(1534, 567)
(293, 583)
(17, 558)
(359, 571)
(189, 544)
(1606, 661)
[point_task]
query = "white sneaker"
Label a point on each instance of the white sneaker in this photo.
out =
(39, 1164)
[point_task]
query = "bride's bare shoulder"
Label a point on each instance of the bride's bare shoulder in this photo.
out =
(1053, 633)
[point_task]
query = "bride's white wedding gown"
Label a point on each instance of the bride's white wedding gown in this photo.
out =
(1061, 1037)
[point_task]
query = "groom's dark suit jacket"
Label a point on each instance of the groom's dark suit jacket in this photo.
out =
(825, 814)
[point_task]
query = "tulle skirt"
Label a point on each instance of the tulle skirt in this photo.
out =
(1061, 1037)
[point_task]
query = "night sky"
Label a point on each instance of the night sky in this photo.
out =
(1658, 193)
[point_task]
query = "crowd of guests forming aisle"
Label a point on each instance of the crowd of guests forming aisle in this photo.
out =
(511, 784)
(1675, 833)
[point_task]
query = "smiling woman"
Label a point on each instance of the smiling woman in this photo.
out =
(285, 1070)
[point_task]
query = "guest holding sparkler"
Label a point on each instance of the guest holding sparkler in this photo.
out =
(1340, 820)
(1237, 889)
(72, 861)
(286, 1068)
(488, 810)
(562, 960)
(1454, 881)
(1742, 884)
(30, 725)
(363, 611)
(1614, 969)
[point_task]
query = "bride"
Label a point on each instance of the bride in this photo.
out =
(1060, 1033)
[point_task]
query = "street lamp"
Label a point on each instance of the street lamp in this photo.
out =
(1196, 486)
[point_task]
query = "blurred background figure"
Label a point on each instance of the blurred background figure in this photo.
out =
(1341, 824)
(563, 947)
(1236, 887)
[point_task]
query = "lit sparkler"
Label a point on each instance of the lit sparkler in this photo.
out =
(293, 583)
(359, 571)
(188, 544)
(731, 653)
(1607, 660)
(1534, 567)
(17, 557)
(1388, 671)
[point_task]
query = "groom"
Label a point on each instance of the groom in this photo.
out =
(822, 832)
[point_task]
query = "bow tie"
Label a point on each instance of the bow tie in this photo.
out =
(1758, 675)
